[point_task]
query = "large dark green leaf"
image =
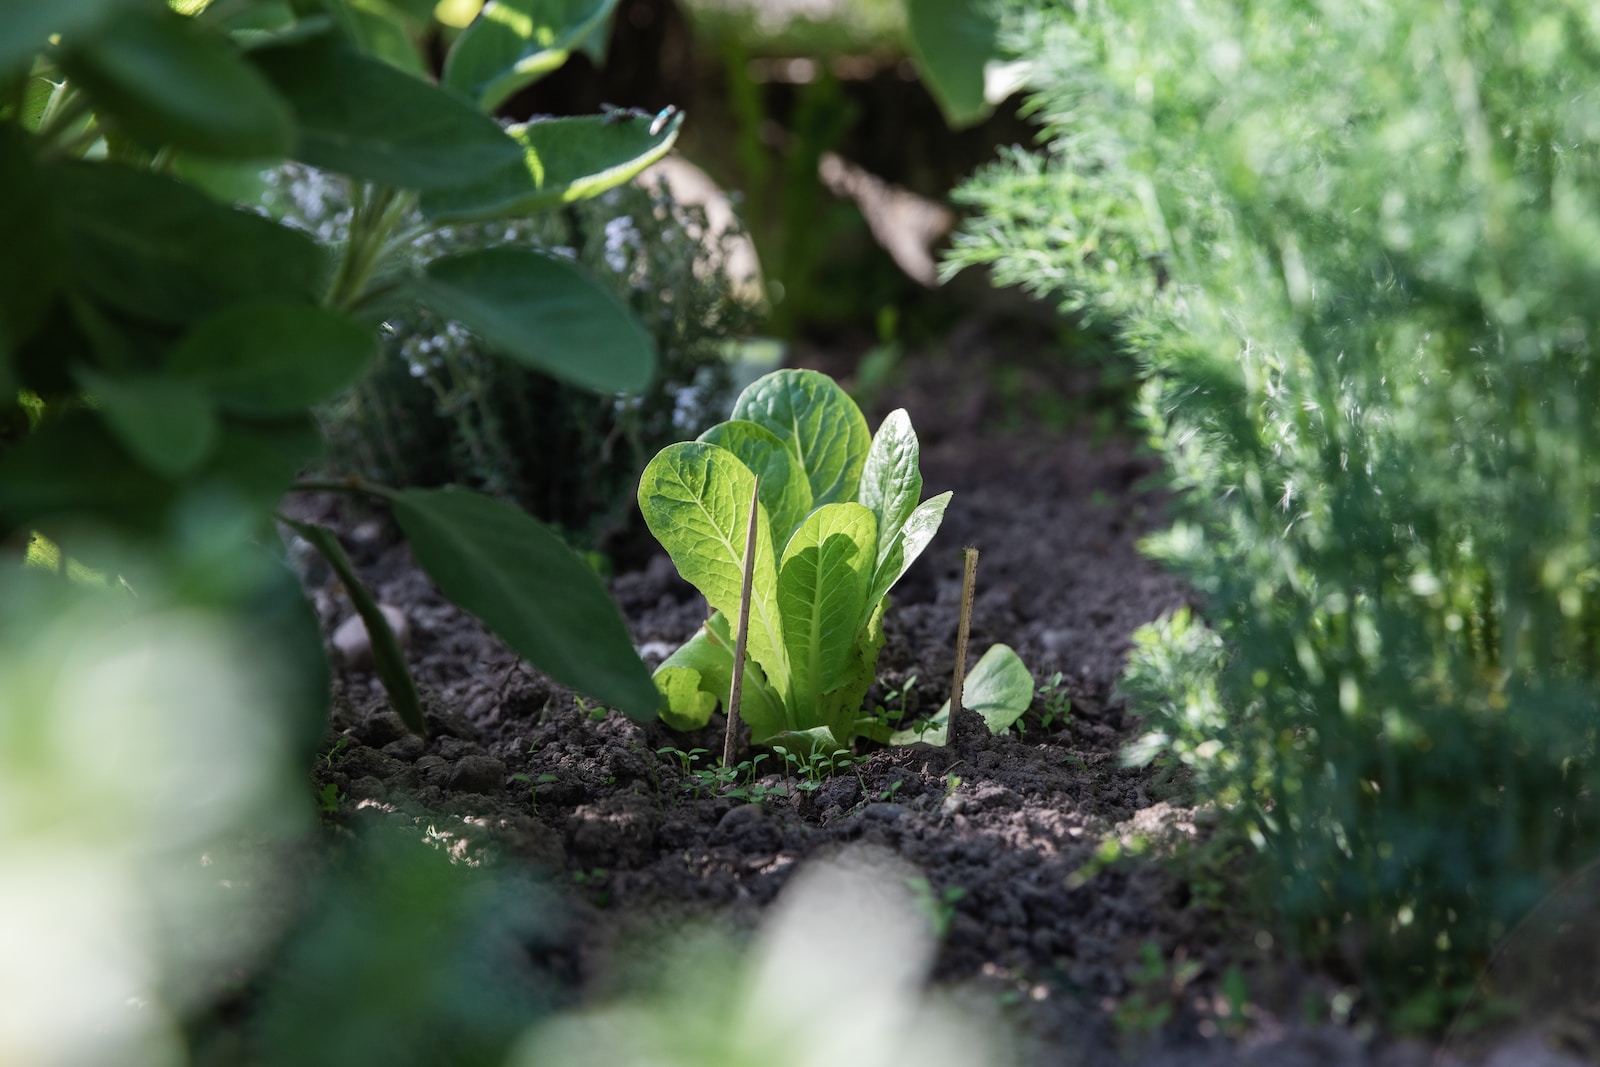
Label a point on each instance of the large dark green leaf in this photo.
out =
(954, 40)
(562, 160)
(544, 312)
(512, 43)
(32, 266)
(167, 424)
(273, 358)
(27, 25)
(258, 461)
(160, 250)
(166, 80)
(72, 467)
(530, 589)
(388, 661)
(362, 117)
(380, 31)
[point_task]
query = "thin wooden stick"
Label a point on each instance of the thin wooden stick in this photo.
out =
(968, 578)
(730, 742)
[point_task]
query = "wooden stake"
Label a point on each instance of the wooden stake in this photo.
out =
(968, 578)
(730, 741)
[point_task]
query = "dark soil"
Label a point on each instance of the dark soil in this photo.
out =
(1093, 901)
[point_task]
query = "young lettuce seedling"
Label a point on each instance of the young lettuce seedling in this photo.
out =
(839, 520)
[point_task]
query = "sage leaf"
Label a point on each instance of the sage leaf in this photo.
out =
(169, 81)
(695, 500)
(33, 268)
(362, 117)
(558, 161)
(388, 660)
(168, 425)
(784, 490)
(545, 313)
(26, 26)
(160, 250)
(512, 43)
(822, 590)
(273, 358)
(530, 589)
(819, 424)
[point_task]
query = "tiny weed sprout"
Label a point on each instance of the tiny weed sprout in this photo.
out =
(938, 908)
(839, 520)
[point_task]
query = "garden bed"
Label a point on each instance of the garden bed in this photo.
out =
(1043, 854)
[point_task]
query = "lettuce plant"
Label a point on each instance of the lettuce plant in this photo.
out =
(839, 520)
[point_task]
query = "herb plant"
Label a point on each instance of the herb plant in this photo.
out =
(1364, 305)
(161, 348)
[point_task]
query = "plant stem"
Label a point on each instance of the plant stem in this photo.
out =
(375, 214)
(737, 690)
(351, 485)
(968, 578)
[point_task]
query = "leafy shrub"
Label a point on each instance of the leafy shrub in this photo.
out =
(1355, 247)
(439, 406)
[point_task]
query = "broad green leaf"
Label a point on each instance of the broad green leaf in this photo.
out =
(33, 267)
(999, 688)
(225, 181)
(818, 422)
(388, 660)
(696, 498)
(160, 250)
(512, 43)
(689, 701)
(822, 593)
(169, 81)
(40, 94)
(785, 493)
(699, 676)
(530, 589)
(259, 461)
(545, 313)
(360, 116)
(891, 481)
(273, 358)
(380, 32)
(559, 161)
(72, 467)
(167, 424)
(840, 707)
(953, 41)
(906, 545)
(26, 26)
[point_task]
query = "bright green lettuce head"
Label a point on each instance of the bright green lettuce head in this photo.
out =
(839, 520)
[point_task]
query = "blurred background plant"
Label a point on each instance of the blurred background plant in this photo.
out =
(1354, 249)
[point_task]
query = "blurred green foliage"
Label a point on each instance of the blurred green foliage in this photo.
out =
(439, 406)
(1354, 247)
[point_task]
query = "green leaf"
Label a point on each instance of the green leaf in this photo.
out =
(380, 32)
(891, 481)
(784, 491)
(169, 81)
(160, 250)
(822, 594)
(528, 587)
(999, 688)
(696, 498)
(906, 545)
(388, 660)
(26, 26)
(707, 660)
(545, 313)
(33, 267)
(512, 43)
(72, 467)
(953, 41)
(167, 424)
(559, 161)
(360, 116)
(840, 707)
(260, 460)
(273, 358)
(818, 422)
